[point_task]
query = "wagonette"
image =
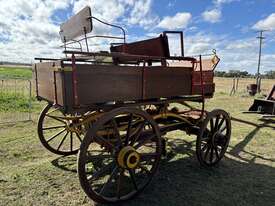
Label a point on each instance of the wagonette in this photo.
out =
(114, 108)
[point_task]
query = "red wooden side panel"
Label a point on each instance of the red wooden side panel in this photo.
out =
(167, 82)
(208, 83)
(102, 83)
(49, 83)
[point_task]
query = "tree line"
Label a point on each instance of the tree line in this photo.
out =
(237, 73)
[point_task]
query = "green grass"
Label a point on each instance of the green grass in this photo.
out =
(10, 102)
(30, 175)
(17, 72)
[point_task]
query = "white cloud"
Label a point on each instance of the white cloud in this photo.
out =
(249, 43)
(109, 10)
(212, 16)
(235, 54)
(141, 14)
(266, 24)
(179, 21)
(138, 12)
(28, 29)
(220, 2)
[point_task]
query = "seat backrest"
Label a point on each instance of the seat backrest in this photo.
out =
(157, 47)
(78, 25)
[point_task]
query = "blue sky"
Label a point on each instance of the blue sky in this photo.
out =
(29, 28)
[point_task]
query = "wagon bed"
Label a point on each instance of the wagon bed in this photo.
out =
(83, 84)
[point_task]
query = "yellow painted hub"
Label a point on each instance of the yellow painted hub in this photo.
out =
(128, 157)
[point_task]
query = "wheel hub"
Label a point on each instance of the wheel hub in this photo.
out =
(128, 158)
(71, 126)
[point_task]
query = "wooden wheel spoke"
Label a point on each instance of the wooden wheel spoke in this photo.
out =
(207, 151)
(206, 135)
(148, 156)
(220, 124)
(62, 141)
(105, 141)
(119, 183)
(211, 125)
(78, 136)
(223, 129)
(211, 154)
(109, 180)
(217, 153)
(216, 123)
(138, 133)
(95, 157)
(116, 130)
(50, 112)
(71, 141)
(57, 134)
(56, 118)
(133, 179)
(205, 146)
(55, 127)
(144, 141)
(101, 171)
(129, 129)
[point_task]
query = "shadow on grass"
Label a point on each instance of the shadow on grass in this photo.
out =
(66, 163)
(237, 149)
(182, 181)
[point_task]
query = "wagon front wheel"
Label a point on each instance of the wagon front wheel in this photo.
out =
(119, 155)
(213, 138)
(56, 132)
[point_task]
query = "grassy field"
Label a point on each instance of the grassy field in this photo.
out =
(15, 72)
(30, 175)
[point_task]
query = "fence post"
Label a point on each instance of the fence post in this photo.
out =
(237, 86)
(30, 99)
(233, 90)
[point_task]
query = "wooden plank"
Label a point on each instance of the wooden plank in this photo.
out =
(102, 83)
(59, 88)
(208, 77)
(46, 84)
(167, 82)
(74, 27)
(209, 89)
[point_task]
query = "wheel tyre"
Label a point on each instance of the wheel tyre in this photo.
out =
(219, 152)
(87, 141)
(42, 137)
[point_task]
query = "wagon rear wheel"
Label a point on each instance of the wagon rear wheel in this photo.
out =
(119, 155)
(213, 139)
(56, 134)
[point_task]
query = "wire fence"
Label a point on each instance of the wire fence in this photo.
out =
(15, 100)
(235, 86)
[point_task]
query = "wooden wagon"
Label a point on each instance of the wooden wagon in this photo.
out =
(115, 107)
